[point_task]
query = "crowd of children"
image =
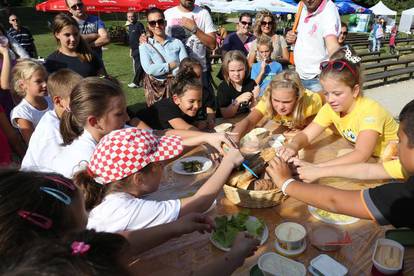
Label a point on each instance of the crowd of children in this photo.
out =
(89, 163)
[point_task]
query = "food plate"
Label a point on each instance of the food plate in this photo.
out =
(177, 167)
(265, 235)
(331, 218)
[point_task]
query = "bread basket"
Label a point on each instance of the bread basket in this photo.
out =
(252, 198)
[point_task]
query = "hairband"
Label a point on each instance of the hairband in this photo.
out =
(349, 57)
(37, 219)
(79, 248)
(59, 195)
(60, 180)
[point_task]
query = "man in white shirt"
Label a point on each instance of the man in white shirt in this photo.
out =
(194, 27)
(316, 39)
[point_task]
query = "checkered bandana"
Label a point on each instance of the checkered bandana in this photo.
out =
(126, 151)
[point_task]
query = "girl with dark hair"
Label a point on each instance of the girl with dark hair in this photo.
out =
(73, 52)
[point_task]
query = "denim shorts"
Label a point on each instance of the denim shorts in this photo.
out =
(312, 84)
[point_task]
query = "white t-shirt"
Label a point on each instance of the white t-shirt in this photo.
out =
(123, 212)
(70, 158)
(192, 44)
(310, 49)
(24, 110)
(44, 145)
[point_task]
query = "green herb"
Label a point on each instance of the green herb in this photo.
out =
(192, 166)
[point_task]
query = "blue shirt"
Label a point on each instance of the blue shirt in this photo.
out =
(172, 50)
(91, 26)
(271, 70)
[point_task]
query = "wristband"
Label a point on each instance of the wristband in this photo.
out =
(286, 184)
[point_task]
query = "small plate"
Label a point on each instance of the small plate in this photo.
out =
(265, 235)
(314, 213)
(177, 167)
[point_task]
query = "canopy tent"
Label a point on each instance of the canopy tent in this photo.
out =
(108, 6)
(215, 6)
(275, 6)
(381, 9)
(349, 7)
(406, 21)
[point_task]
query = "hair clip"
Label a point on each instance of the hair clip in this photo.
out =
(60, 180)
(67, 109)
(350, 57)
(59, 195)
(39, 220)
(79, 248)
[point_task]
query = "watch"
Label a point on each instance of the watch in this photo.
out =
(194, 29)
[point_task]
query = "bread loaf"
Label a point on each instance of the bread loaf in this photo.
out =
(263, 184)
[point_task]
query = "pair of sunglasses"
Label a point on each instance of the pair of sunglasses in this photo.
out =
(264, 23)
(337, 65)
(77, 6)
(153, 23)
(246, 23)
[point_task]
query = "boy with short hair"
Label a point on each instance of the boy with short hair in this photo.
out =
(45, 142)
(386, 204)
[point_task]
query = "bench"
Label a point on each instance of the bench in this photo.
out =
(369, 54)
(379, 59)
(388, 74)
(408, 50)
(388, 63)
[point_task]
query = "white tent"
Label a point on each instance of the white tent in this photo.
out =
(216, 6)
(381, 9)
(406, 21)
(275, 6)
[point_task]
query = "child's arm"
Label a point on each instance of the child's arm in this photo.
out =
(364, 171)
(364, 147)
(231, 110)
(5, 69)
(12, 136)
(205, 196)
(323, 197)
(258, 76)
(179, 123)
(244, 246)
(26, 129)
(301, 140)
(144, 239)
(248, 123)
(138, 123)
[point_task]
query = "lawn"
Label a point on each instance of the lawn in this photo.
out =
(116, 55)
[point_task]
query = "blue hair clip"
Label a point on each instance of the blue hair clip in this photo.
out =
(59, 195)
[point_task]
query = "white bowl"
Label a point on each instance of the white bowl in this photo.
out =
(381, 268)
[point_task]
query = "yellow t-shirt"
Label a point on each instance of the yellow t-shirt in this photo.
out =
(313, 104)
(366, 115)
(395, 169)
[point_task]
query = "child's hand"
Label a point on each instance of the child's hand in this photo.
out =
(245, 97)
(234, 157)
(308, 172)
(279, 171)
(286, 152)
(244, 246)
(216, 140)
(194, 222)
(256, 91)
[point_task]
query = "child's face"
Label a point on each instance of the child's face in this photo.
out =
(339, 96)
(69, 38)
(405, 151)
(115, 117)
(35, 86)
(237, 71)
(189, 102)
(152, 179)
(264, 52)
(283, 100)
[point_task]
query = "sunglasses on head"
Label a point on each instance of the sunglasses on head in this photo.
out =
(153, 23)
(77, 6)
(337, 65)
(264, 23)
(246, 23)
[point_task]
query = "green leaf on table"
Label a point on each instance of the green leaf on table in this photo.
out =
(254, 227)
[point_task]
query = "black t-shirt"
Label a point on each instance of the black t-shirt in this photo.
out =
(391, 203)
(226, 93)
(58, 60)
(134, 31)
(158, 115)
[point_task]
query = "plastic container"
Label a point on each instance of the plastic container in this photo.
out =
(274, 264)
(323, 265)
(290, 236)
(321, 235)
(381, 267)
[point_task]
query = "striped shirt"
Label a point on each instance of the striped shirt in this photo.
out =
(24, 38)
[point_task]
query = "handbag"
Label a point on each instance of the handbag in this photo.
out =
(294, 29)
(154, 89)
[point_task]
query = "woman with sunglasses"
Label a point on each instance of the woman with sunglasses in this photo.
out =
(266, 25)
(358, 119)
(242, 38)
(73, 52)
(160, 58)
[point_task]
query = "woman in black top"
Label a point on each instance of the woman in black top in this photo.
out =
(178, 112)
(73, 52)
(237, 93)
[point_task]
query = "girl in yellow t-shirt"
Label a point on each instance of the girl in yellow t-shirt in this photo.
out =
(286, 102)
(360, 120)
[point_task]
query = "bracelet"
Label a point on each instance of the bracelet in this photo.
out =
(286, 184)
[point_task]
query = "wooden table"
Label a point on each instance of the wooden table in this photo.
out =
(182, 255)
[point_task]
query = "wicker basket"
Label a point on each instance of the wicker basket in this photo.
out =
(253, 199)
